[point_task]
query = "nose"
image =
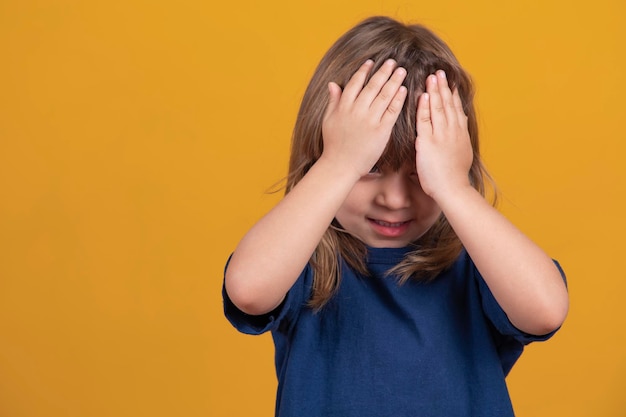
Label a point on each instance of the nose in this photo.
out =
(395, 191)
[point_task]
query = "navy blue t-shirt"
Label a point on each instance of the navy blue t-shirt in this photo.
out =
(381, 349)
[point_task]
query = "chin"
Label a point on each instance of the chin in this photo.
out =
(388, 244)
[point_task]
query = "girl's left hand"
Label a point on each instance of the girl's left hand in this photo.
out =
(443, 148)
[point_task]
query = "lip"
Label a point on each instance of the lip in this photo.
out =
(389, 229)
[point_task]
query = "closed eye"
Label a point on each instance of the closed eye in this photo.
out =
(375, 169)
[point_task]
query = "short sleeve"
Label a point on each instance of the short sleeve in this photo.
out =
(510, 340)
(498, 317)
(287, 311)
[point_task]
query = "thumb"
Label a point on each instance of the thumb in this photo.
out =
(423, 121)
(334, 94)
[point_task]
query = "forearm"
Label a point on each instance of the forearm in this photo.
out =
(523, 279)
(271, 256)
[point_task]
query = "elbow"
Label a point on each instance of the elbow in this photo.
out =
(541, 313)
(551, 321)
(551, 308)
(560, 314)
(550, 318)
(557, 309)
(246, 297)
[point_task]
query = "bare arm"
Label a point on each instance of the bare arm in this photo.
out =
(523, 279)
(356, 129)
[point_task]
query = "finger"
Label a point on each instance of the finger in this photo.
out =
(458, 105)
(334, 95)
(376, 83)
(446, 98)
(423, 117)
(388, 93)
(437, 112)
(394, 108)
(355, 85)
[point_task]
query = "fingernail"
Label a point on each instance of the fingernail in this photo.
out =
(390, 61)
(433, 78)
(442, 73)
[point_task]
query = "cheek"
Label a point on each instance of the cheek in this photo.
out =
(427, 208)
(358, 198)
(352, 209)
(348, 210)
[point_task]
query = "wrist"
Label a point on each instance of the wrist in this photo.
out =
(337, 170)
(455, 196)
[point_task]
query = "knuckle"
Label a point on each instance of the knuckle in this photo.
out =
(383, 95)
(392, 109)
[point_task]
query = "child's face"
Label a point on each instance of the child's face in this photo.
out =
(388, 209)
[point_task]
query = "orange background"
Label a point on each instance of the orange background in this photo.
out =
(137, 139)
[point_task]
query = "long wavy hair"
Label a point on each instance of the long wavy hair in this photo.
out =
(421, 53)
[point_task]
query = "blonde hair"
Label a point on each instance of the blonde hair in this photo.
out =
(421, 53)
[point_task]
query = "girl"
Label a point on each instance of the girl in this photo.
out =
(390, 285)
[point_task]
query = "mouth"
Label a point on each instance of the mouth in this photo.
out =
(388, 224)
(389, 229)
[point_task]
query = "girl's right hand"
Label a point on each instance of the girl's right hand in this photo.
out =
(357, 123)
